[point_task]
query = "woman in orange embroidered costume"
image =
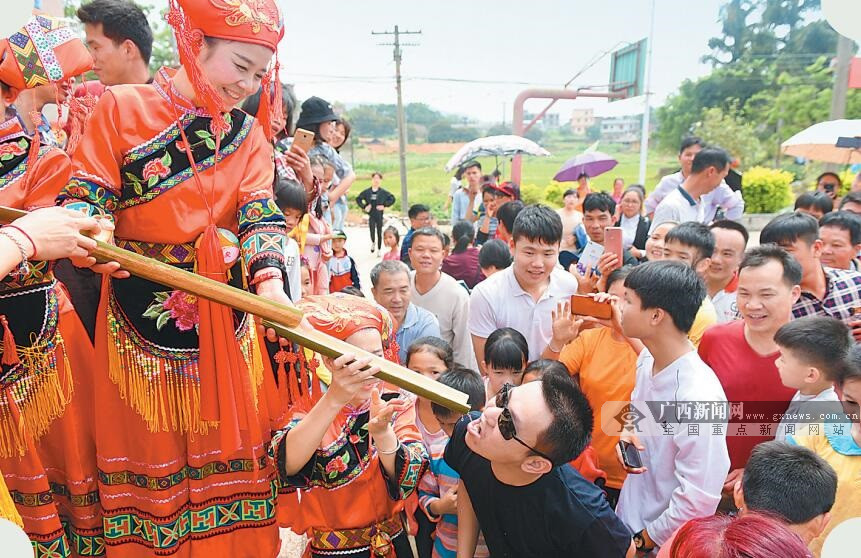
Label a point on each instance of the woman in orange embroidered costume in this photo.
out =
(356, 454)
(46, 451)
(183, 417)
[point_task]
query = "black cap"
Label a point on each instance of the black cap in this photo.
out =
(315, 111)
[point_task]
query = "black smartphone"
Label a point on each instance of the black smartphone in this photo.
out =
(630, 455)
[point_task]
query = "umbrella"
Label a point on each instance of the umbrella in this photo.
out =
(819, 142)
(495, 146)
(591, 164)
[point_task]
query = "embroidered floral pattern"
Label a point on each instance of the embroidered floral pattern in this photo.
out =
(253, 12)
(91, 193)
(12, 149)
(176, 305)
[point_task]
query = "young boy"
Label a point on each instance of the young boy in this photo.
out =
(682, 474)
(374, 201)
(438, 487)
(815, 204)
(292, 201)
(812, 351)
(342, 268)
(840, 446)
(693, 244)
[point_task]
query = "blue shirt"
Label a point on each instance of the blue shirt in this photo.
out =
(405, 247)
(418, 323)
(459, 206)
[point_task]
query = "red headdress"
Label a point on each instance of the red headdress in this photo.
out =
(249, 21)
(46, 50)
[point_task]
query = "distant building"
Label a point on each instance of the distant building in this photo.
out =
(625, 129)
(549, 120)
(582, 120)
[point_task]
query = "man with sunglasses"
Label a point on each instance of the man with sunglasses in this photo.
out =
(515, 480)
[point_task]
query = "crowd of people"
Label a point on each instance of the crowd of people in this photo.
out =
(640, 381)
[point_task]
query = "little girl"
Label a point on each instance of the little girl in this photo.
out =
(392, 240)
(505, 356)
(430, 357)
(305, 271)
(356, 454)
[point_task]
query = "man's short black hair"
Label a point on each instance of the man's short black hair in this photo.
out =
(508, 212)
(377, 173)
(819, 341)
(471, 164)
(787, 228)
(570, 431)
(816, 200)
(538, 223)
(843, 220)
(695, 235)
(432, 232)
(569, 192)
(599, 201)
(851, 197)
(731, 226)
(121, 20)
(690, 141)
(467, 381)
(672, 286)
(789, 481)
(289, 194)
(710, 157)
(760, 255)
(417, 209)
(494, 253)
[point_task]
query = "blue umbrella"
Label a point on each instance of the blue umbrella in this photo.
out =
(591, 164)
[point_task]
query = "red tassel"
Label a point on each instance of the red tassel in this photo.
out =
(35, 142)
(264, 108)
(10, 349)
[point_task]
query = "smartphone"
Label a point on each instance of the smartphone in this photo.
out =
(585, 305)
(630, 455)
(304, 139)
(613, 241)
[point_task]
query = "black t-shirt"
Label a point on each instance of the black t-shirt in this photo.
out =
(559, 515)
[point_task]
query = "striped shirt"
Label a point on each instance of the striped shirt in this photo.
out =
(438, 480)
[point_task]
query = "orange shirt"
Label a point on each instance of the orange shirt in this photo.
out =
(606, 369)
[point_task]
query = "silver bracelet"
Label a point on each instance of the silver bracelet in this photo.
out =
(24, 266)
(390, 452)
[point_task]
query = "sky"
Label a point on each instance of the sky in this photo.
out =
(328, 50)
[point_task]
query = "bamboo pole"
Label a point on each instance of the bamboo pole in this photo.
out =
(283, 318)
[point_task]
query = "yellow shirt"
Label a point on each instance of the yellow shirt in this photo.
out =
(606, 369)
(705, 318)
(844, 455)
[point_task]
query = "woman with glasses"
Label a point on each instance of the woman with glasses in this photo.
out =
(635, 225)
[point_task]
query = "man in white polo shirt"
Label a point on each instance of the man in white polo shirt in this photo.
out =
(524, 295)
(683, 204)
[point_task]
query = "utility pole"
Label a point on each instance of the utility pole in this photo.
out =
(841, 85)
(644, 135)
(402, 127)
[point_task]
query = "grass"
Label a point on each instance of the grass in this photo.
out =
(428, 182)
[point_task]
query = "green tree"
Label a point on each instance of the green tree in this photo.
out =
(729, 130)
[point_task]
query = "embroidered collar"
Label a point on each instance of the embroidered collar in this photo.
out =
(687, 196)
(11, 129)
(163, 83)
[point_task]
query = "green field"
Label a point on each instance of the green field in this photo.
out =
(429, 183)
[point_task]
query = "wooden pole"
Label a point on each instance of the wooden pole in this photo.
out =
(281, 317)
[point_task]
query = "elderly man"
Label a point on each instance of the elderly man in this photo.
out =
(390, 285)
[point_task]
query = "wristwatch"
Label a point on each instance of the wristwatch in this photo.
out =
(642, 541)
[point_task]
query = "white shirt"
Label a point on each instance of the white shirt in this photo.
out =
(629, 230)
(449, 302)
(722, 196)
(797, 409)
(686, 472)
(294, 270)
(500, 301)
(678, 206)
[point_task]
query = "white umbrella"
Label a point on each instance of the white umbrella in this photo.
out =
(819, 142)
(495, 146)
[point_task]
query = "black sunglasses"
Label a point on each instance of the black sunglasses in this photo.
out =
(506, 421)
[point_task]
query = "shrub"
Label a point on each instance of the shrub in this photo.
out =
(531, 193)
(553, 194)
(766, 190)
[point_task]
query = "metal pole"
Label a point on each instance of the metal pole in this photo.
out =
(402, 132)
(644, 135)
(841, 78)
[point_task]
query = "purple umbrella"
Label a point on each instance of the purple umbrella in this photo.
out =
(591, 164)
